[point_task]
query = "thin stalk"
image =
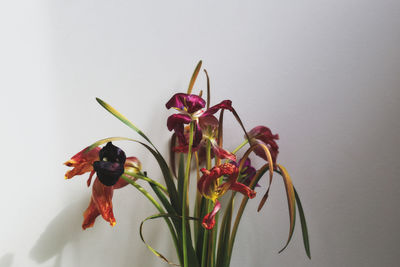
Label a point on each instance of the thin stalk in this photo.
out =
(240, 146)
(214, 240)
(197, 208)
(235, 227)
(205, 241)
(224, 234)
(205, 252)
(185, 202)
(147, 179)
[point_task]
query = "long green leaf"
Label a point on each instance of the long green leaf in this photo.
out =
(109, 139)
(172, 153)
(158, 206)
(147, 179)
(225, 230)
(122, 118)
(208, 90)
(185, 201)
(303, 225)
(181, 176)
(176, 221)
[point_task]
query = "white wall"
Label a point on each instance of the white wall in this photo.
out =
(325, 75)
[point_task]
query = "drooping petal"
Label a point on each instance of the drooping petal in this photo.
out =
(222, 153)
(190, 103)
(245, 190)
(102, 197)
(208, 121)
(207, 182)
(177, 120)
(226, 104)
(90, 177)
(90, 215)
(209, 219)
(82, 162)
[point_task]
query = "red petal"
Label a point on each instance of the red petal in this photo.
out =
(90, 177)
(102, 197)
(192, 103)
(209, 219)
(222, 153)
(264, 134)
(245, 190)
(90, 215)
(177, 120)
(226, 104)
(82, 162)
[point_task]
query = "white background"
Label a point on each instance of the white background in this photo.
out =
(325, 75)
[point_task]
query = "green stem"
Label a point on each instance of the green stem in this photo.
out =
(206, 234)
(185, 202)
(235, 227)
(205, 240)
(240, 146)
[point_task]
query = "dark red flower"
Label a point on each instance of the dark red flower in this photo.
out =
(190, 109)
(262, 134)
(209, 187)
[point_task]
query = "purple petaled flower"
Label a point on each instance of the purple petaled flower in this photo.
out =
(247, 172)
(190, 108)
(263, 135)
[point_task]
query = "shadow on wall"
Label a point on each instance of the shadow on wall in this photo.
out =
(58, 233)
(6, 260)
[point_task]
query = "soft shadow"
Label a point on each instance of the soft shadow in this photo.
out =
(6, 260)
(63, 229)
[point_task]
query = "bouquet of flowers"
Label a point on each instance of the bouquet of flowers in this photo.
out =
(204, 237)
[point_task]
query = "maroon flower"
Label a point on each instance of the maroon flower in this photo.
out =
(209, 187)
(190, 109)
(263, 135)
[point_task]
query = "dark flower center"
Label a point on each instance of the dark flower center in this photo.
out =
(111, 164)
